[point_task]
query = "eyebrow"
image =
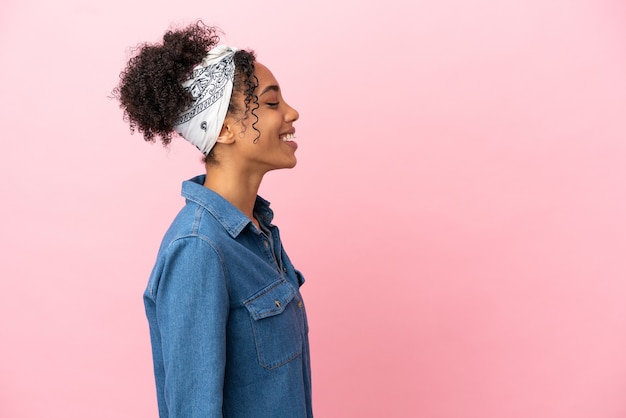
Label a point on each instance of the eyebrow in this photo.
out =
(272, 87)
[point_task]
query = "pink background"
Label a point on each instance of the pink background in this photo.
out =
(458, 208)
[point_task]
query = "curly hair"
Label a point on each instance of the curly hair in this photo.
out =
(150, 90)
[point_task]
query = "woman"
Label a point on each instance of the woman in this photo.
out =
(227, 323)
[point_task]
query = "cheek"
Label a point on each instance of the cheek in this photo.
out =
(267, 126)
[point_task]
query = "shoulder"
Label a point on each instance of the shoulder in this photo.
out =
(194, 222)
(187, 263)
(193, 235)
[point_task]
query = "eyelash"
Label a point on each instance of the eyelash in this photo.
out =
(272, 104)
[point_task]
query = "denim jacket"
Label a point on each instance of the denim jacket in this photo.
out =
(227, 322)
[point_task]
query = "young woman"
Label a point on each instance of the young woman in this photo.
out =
(227, 323)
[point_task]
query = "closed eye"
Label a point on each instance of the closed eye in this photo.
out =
(272, 104)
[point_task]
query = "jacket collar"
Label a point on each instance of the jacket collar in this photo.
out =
(231, 218)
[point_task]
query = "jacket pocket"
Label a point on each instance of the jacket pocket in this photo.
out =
(300, 278)
(276, 324)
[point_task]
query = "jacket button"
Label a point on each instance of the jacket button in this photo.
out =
(277, 303)
(285, 269)
(300, 305)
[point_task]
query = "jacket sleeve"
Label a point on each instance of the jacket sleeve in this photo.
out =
(192, 307)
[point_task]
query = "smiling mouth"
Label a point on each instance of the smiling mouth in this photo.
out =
(287, 137)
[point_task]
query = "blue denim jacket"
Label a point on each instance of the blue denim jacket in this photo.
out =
(227, 323)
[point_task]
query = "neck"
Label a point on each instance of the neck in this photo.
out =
(238, 188)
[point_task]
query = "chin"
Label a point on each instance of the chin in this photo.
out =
(286, 165)
(290, 163)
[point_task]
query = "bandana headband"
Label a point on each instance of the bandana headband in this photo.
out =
(210, 85)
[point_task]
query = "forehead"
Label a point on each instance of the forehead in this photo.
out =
(264, 75)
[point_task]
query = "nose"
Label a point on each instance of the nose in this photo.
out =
(292, 114)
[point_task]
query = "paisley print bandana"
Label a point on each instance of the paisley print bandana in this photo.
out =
(210, 85)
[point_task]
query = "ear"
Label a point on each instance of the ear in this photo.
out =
(227, 134)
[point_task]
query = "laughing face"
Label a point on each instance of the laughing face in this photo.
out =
(266, 143)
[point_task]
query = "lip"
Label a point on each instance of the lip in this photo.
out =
(292, 144)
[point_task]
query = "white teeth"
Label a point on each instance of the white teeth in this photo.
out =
(287, 137)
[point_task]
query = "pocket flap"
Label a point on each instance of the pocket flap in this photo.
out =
(271, 300)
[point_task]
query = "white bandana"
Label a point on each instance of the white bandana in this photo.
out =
(210, 85)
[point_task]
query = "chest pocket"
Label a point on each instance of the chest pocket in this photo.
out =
(276, 323)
